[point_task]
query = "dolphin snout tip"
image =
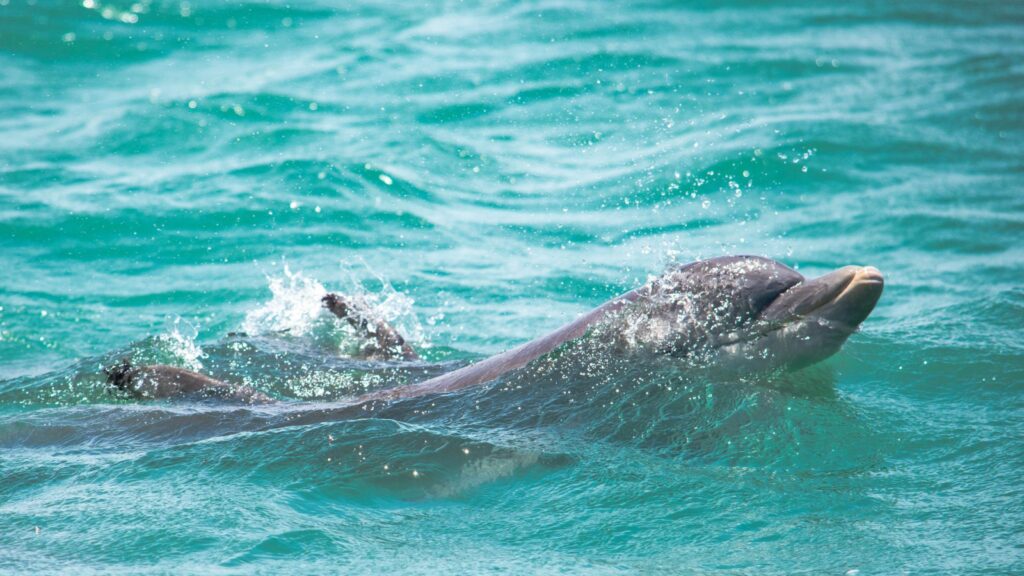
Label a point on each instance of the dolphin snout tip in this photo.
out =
(868, 274)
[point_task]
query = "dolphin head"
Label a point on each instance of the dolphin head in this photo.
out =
(811, 320)
(756, 313)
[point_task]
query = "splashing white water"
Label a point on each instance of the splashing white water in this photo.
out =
(180, 343)
(293, 309)
(296, 308)
(386, 304)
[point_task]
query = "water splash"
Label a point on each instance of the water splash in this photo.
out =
(179, 342)
(295, 308)
(386, 303)
(292, 309)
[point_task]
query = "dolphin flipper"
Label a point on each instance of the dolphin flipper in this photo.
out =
(384, 342)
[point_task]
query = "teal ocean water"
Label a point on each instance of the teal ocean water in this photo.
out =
(181, 181)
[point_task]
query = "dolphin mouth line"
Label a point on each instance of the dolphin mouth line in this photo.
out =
(831, 297)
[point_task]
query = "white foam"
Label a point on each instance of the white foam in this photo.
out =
(180, 342)
(386, 304)
(293, 307)
(296, 309)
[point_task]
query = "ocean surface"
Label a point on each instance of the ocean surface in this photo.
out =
(180, 182)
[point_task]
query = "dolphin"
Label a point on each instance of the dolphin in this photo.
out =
(152, 381)
(748, 313)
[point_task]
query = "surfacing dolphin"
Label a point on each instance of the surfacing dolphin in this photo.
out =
(745, 312)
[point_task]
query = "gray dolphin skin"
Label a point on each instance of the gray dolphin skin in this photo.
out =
(746, 313)
(161, 381)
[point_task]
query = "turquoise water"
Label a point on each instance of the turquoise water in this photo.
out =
(180, 182)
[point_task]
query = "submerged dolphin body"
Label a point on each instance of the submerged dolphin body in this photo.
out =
(154, 381)
(747, 313)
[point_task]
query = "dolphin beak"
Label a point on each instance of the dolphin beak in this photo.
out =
(847, 295)
(856, 301)
(859, 277)
(868, 274)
